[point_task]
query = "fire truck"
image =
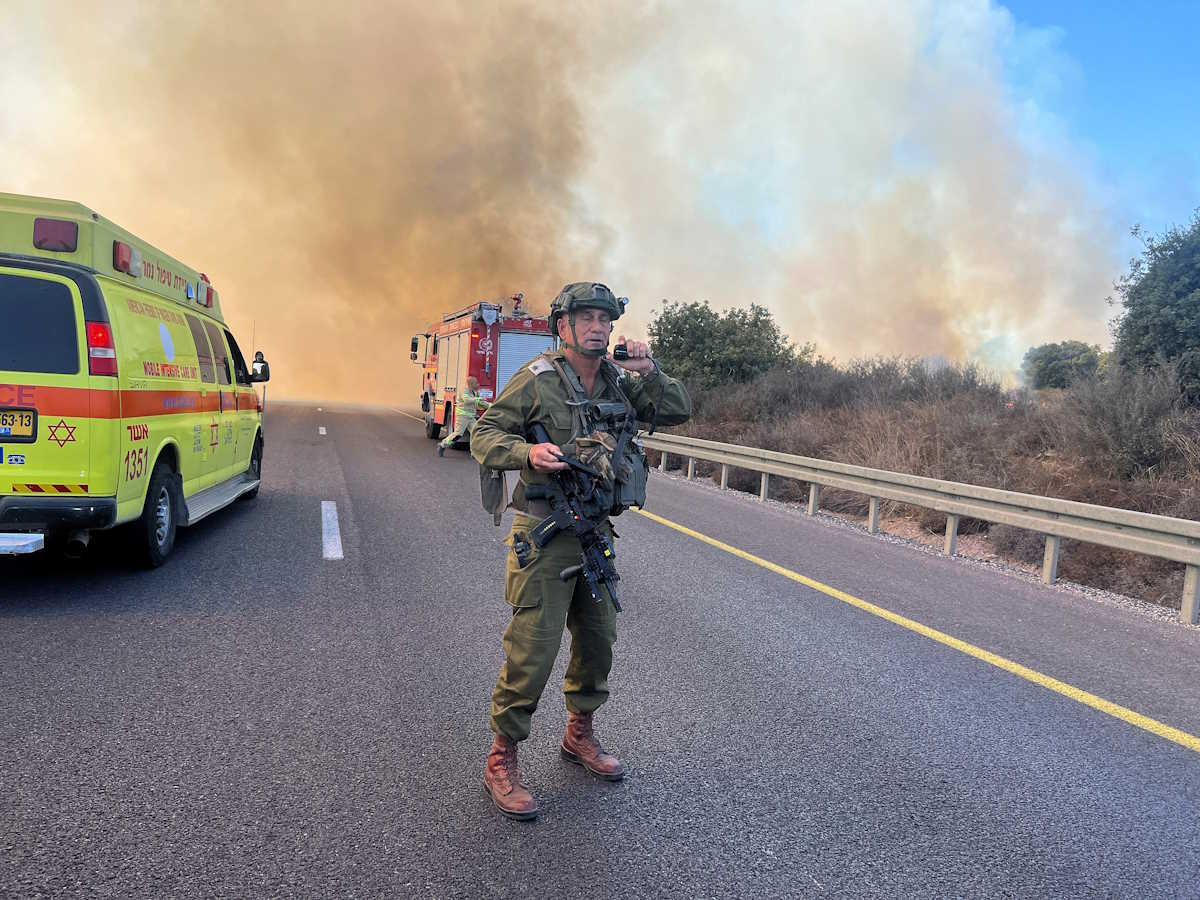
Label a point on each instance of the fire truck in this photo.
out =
(484, 340)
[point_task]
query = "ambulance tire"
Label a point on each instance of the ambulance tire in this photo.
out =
(432, 430)
(254, 470)
(154, 533)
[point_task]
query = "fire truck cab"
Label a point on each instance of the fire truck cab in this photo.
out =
(483, 340)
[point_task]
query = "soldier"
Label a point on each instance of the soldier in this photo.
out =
(467, 406)
(560, 390)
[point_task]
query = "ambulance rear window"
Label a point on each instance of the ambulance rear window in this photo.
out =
(39, 333)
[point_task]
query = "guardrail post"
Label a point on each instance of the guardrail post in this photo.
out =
(691, 467)
(1050, 559)
(762, 491)
(814, 499)
(724, 476)
(1189, 609)
(951, 534)
(662, 462)
(873, 516)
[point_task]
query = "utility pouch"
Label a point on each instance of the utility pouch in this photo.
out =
(632, 471)
(493, 492)
(624, 468)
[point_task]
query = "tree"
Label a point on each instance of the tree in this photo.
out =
(1060, 365)
(1161, 299)
(699, 345)
(1188, 369)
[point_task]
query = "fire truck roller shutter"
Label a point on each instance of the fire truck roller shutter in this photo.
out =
(464, 359)
(450, 373)
(516, 349)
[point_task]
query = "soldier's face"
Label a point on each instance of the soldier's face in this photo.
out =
(592, 328)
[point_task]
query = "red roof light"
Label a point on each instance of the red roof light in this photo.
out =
(56, 234)
(122, 256)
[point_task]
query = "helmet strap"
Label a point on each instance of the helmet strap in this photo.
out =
(582, 351)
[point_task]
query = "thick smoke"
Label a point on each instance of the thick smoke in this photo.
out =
(348, 172)
(344, 173)
(864, 169)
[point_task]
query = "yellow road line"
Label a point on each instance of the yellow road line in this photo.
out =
(1099, 703)
(410, 415)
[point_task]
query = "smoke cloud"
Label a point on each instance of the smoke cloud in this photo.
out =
(347, 173)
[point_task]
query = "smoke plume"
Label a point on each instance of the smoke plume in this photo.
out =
(346, 173)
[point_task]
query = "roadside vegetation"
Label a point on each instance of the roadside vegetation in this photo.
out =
(1120, 428)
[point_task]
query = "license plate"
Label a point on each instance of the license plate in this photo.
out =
(18, 425)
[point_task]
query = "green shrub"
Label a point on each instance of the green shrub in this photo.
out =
(1119, 422)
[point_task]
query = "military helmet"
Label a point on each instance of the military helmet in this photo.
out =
(583, 294)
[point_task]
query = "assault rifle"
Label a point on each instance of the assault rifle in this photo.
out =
(566, 495)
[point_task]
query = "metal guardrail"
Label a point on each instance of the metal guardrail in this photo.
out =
(1161, 536)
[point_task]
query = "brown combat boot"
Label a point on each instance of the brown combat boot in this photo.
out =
(503, 780)
(581, 747)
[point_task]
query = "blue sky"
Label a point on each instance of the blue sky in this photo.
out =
(1129, 92)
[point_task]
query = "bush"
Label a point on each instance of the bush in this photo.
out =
(707, 349)
(1120, 422)
(1060, 365)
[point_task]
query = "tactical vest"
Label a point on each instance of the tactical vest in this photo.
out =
(605, 437)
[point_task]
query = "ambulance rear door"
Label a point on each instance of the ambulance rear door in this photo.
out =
(45, 401)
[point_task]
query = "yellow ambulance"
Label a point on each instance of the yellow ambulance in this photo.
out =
(124, 399)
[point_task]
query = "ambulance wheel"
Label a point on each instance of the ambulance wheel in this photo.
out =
(254, 471)
(154, 532)
(432, 430)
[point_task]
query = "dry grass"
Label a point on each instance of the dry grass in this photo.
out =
(1125, 442)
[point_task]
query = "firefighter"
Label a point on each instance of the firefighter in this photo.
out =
(467, 407)
(548, 392)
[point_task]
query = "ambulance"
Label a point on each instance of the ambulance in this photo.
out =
(484, 340)
(124, 398)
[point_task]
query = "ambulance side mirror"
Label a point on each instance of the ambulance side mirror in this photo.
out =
(260, 369)
(412, 350)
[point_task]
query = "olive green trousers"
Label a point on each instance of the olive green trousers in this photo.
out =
(543, 604)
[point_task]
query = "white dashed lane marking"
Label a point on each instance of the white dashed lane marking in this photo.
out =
(331, 535)
(320, 429)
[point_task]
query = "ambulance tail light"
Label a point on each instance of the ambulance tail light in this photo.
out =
(102, 353)
(56, 234)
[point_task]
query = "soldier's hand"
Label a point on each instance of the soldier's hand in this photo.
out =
(639, 356)
(545, 458)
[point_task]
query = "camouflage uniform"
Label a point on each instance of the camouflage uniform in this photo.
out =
(542, 603)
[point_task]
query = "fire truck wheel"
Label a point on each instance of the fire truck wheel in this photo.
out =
(432, 430)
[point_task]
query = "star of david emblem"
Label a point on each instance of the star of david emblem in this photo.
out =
(62, 433)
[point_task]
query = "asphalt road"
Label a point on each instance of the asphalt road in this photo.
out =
(254, 719)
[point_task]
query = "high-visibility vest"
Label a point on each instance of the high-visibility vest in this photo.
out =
(467, 406)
